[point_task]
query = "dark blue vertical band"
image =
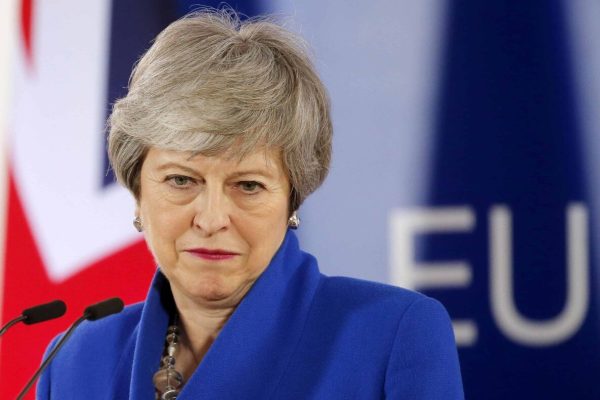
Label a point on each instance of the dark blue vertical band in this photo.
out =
(506, 132)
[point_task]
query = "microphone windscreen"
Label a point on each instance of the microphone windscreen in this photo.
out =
(44, 312)
(103, 309)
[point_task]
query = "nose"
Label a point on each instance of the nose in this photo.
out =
(211, 211)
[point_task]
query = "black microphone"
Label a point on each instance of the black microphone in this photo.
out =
(91, 313)
(41, 313)
(103, 309)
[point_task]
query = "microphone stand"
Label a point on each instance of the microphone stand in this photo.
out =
(11, 323)
(51, 356)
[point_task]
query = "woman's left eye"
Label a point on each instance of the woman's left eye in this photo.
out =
(250, 186)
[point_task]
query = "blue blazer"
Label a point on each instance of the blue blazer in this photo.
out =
(296, 335)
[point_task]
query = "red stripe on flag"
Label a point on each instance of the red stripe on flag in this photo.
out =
(126, 274)
(27, 28)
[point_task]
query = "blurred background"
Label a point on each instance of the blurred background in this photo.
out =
(466, 166)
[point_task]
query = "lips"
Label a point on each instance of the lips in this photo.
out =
(212, 254)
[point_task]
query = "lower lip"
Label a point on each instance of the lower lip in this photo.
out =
(212, 256)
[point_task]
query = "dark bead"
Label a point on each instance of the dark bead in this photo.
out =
(172, 339)
(168, 360)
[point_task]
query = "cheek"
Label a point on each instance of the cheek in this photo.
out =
(162, 229)
(264, 236)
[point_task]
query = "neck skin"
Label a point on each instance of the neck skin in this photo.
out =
(199, 326)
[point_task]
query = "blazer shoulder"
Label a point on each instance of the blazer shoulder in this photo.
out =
(354, 290)
(373, 335)
(422, 359)
(403, 310)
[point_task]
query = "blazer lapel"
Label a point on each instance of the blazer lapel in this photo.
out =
(150, 340)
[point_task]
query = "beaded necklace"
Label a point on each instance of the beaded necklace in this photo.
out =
(168, 382)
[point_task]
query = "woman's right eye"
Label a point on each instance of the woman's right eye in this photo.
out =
(179, 181)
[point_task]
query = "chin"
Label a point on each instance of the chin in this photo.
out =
(211, 291)
(210, 288)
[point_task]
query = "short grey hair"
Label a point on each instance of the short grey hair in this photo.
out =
(210, 83)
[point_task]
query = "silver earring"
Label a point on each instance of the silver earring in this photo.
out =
(137, 224)
(294, 221)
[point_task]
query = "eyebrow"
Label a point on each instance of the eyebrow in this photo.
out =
(176, 165)
(262, 172)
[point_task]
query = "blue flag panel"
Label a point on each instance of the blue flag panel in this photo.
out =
(508, 144)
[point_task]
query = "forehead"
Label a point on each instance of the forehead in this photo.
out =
(267, 160)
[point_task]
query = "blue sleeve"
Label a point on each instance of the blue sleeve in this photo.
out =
(42, 391)
(423, 363)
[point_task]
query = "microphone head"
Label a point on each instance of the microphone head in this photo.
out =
(103, 309)
(44, 312)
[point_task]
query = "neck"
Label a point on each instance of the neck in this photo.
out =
(199, 326)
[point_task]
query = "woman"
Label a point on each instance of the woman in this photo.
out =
(224, 132)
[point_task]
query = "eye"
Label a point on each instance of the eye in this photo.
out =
(180, 181)
(250, 187)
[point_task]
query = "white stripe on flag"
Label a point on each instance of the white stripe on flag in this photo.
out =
(8, 37)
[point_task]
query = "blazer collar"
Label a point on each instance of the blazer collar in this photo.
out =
(250, 354)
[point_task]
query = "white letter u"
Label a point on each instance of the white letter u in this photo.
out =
(510, 322)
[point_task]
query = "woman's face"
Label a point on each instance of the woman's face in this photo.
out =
(213, 223)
